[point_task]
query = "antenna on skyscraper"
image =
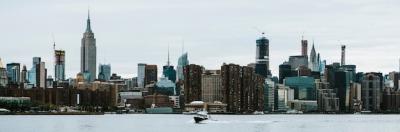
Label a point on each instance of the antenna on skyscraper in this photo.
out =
(260, 31)
(168, 57)
(54, 41)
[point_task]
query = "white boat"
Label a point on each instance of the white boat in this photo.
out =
(294, 112)
(2, 110)
(258, 113)
(201, 116)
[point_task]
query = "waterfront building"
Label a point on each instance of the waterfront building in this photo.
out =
(283, 95)
(326, 97)
(211, 87)
(269, 95)
(243, 88)
(88, 52)
(215, 107)
(13, 73)
(342, 89)
(192, 83)
(371, 89)
(303, 105)
(355, 97)
(390, 100)
(104, 72)
(231, 85)
(262, 57)
(157, 100)
(175, 102)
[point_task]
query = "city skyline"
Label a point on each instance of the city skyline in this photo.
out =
(148, 42)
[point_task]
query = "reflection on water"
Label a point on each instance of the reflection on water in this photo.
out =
(184, 123)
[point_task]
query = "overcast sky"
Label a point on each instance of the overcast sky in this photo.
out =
(213, 31)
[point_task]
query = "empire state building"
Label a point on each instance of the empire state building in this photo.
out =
(88, 52)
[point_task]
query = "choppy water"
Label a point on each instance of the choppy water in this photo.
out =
(184, 123)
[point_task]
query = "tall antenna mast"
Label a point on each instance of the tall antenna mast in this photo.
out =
(54, 41)
(168, 63)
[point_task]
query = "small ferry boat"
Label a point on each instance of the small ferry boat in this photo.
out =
(201, 116)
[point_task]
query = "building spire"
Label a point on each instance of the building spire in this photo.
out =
(168, 62)
(54, 42)
(88, 28)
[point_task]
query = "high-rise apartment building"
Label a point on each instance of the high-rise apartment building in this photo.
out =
(371, 90)
(192, 83)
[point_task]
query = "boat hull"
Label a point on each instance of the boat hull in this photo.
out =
(199, 119)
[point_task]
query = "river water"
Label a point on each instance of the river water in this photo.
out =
(185, 123)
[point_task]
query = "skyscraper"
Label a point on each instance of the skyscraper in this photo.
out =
(182, 62)
(59, 65)
(150, 74)
(313, 64)
(304, 47)
(24, 74)
(211, 87)
(262, 56)
(371, 88)
(37, 74)
(343, 59)
(168, 71)
(192, 83)
(41, 75)
(13, 73)
(141, 73)
(88, 52)
(32, 72)
(104, 72)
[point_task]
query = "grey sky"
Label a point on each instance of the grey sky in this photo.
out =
(214, 31)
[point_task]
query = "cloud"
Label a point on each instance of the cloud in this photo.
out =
(131, 32)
